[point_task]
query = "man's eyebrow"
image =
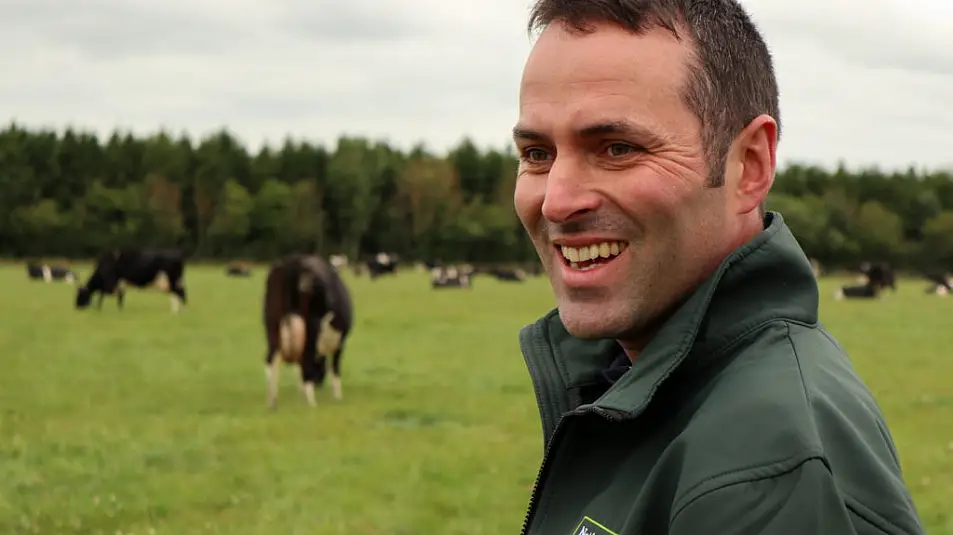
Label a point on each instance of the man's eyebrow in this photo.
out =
(526, 134)
(623, 128)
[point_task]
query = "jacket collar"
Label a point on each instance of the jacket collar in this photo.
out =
(769, 278)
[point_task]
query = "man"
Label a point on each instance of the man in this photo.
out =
(684, 382)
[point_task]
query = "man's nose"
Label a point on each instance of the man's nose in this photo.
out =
(568, 191)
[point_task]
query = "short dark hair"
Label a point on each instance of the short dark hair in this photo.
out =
(732, 80)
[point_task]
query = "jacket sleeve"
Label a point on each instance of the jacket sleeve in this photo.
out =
(801, 501)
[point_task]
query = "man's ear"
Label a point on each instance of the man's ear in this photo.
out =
(751, 163)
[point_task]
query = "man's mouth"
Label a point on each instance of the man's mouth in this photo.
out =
(585, 257)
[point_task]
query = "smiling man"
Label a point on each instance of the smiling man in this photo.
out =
(684, 381)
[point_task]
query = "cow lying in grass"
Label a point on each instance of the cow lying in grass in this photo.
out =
(238, 269)
(450, 277)
(48, 273)
(876, 277)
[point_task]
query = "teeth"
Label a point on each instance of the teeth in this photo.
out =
(576, 266)
(591, 252)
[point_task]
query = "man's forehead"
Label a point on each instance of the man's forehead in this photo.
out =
(564, 56)
(595, 109)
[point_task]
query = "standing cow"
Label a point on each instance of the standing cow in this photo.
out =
(308, 315)
(141, 268)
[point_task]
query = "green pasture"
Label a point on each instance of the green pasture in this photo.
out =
(142, 422)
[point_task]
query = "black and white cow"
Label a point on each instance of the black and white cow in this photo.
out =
(880, 274)
(308, 315)
(383, 264)
(141, 268)
(508, 275)
(876, 277)
(858, 291)
(940, 283)
(238, 269)
(338, 261)
(450, 277)
(48, 273)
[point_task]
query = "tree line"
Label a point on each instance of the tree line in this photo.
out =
(70, 194)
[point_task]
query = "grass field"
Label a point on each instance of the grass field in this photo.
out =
(143, 422)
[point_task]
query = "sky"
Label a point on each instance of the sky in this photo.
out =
(866, 82)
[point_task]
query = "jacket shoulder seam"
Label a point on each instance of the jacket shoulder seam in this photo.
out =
(741, 476)
(743, 336)
(862, 511)
(778, 469)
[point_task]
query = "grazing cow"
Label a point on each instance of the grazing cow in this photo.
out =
(50, 273)
(142, 268)
(876, 277)
(308, 315)
(338, 261)
(238, 269)
(450, 277)
(383, 264)
(879, 274)
(941, 284)
(508, 275)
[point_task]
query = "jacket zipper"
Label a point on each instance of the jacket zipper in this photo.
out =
(613, 416)
(534, 498)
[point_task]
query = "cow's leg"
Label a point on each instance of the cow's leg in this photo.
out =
(329, 340)
(179, 295)
(47, 276)
(176, 299)
(120, 296)
(321, 369)
(309, 360)
(335, 365)
(273, 375)
(273, 359)
(179, 291)
(309, 375)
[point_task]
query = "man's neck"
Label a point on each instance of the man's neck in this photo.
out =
(751, 226)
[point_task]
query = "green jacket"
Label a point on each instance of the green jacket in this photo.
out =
(742, 416)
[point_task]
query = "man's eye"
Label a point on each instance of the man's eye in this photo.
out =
(620, 149)
(536, 155)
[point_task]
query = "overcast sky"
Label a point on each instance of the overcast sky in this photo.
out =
(866, 81)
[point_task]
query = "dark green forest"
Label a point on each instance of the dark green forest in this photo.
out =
(71, 194)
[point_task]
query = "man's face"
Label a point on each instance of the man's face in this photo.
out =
(612, 167)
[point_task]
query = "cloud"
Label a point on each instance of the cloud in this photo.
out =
(862, 81)
(867, 82)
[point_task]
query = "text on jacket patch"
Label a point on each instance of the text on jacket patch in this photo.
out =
(589, 526)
